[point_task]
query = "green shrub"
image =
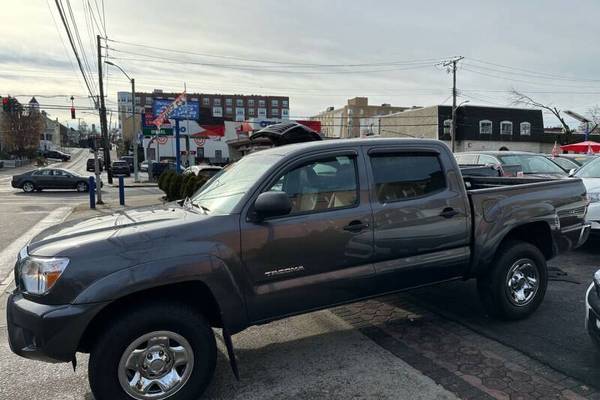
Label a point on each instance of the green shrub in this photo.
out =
(174, 189)
(164, 179)
(184, 184)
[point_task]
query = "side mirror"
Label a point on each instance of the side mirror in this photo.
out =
(572, 172)
(272, 204)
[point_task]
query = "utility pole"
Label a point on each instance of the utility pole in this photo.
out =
(103, 126)
(454, 94)
(135, 135)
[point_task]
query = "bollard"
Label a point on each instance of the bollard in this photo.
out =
(92, 191)
(121, 190)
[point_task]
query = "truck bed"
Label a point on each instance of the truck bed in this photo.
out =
(503, 202)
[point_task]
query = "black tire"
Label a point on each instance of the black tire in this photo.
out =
(28, 187)
(134, 323)
(497, 297)
(81, 187)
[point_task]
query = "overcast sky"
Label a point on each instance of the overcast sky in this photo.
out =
(390, 51)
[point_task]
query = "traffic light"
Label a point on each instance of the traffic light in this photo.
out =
(72, 112)
(5, 104)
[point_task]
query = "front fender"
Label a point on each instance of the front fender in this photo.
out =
(210, 270)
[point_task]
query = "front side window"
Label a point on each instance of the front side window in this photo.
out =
(321, 185)
(506, 128)
(406, 176)
(525, 128)
(485, 127)
(485, 159)
(447, 127)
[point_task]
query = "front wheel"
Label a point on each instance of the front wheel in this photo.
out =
(28, 187)
(516, 285)
(157, 352)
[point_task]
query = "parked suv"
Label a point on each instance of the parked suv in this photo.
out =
(90, 165)
(120, 168)
(281, 232)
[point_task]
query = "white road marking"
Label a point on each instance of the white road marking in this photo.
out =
(8, 256)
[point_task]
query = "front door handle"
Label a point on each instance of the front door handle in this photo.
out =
(355, 226)
(448, 212)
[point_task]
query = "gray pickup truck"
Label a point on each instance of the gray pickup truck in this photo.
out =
(281, 232)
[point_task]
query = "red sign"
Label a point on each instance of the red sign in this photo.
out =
(199, 141)
(162, 139)
(314, 125)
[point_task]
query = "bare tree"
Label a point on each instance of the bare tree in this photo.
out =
(594, 116)
(22, 129)
(521, 98)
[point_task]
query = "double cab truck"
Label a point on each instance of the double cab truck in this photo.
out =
(281, 232)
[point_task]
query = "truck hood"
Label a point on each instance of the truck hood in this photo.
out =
(123, 226)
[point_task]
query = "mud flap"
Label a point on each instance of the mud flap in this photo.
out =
(230, 353)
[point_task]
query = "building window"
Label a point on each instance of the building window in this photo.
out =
(228, 110)
(506, 128)
(485, 127)
(217, 111)
(205, 101)
(275, 111)
(274, 103)
(525, 129)
(285, 113)
(285, 103)
(251, 112)
(261, 103)
(361, 111)
(216, 102)
(239, 103)
(447, 127)
(250, 102)
(228, 102)
(137, 101)
(148, 101)
(262, 113)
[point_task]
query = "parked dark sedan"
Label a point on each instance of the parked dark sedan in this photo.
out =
(57, 155)
(50, 178)
(129, 161)
(592, 315)
(533, 165)
(120, 168)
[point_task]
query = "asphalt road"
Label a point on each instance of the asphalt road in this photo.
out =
(554, 335)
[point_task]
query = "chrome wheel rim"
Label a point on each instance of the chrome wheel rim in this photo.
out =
(522, 282)
(156, 365)
(81, 187)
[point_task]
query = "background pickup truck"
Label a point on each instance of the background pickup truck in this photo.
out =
(281, 232)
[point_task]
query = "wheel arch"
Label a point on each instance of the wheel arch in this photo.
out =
(202, 300)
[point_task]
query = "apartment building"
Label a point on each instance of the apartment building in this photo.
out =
(345, 122)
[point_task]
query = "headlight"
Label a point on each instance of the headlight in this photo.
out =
(594, 197)
(39, 274)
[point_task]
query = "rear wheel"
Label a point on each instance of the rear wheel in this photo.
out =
(82, 187)
(516, 285)
(157, 352)
(28, 187)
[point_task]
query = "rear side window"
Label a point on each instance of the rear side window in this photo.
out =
(406, 176)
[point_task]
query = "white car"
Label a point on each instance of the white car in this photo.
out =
(590, 175)
(205, 170)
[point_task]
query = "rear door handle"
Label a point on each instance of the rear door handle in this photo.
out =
(448, 212)
(355, 226)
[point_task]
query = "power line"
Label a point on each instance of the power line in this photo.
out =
(62, 17)
(78, 37)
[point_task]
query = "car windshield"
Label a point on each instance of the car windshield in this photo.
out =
(223, 192)
(532, 163)
(589, 170)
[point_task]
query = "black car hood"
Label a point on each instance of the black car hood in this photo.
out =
(122, 229)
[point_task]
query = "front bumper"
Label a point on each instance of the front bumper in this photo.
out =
(47, 332)
(592, 313)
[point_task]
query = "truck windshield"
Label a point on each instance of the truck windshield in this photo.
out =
(532, 164)
(223, 192)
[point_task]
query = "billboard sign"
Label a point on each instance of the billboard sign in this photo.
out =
(187, 110)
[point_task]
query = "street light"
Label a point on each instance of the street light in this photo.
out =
(453, 137)
(133, 126)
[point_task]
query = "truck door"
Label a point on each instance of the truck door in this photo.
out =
(321, 252)
(421, 216)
